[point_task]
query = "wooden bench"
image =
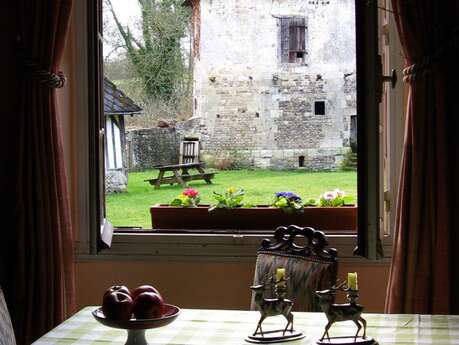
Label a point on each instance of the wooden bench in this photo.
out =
(181, 174)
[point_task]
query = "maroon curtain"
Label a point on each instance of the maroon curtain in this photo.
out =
(425, 265)
(43, 283)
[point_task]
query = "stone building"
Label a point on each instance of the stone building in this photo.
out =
(274, 81)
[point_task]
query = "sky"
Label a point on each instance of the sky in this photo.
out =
(127, 10)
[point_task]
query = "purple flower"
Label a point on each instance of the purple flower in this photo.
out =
(288, 195)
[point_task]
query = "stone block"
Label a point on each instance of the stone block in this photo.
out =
(115, 181)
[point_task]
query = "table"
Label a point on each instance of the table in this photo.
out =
(181, 174)
(224, 327)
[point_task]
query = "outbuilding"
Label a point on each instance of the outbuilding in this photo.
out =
(116, 106)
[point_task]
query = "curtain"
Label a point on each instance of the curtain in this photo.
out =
(424, 271)
(43, 291)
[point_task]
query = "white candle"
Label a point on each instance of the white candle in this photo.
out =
(280, 276)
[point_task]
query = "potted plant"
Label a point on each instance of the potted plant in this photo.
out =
(188, 198)
(229, 212)
(232, 198)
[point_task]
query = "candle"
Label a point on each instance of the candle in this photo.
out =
(280, 276)
(352, 281)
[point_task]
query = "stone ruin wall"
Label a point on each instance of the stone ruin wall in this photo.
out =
(258, 111)
(149, 147)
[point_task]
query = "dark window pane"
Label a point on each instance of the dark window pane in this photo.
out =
(319, 108)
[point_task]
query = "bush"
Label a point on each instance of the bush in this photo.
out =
(349, 162)
(227, 160)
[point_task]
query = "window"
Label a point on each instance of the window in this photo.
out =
(301, 161)
(293, 40)
(319, 108)
(234, 243)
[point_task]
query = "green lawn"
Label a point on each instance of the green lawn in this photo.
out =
(132, 208)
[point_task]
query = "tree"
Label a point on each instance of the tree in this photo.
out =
(156, 55)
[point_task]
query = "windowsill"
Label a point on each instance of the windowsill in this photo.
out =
(207, 247)
(293, 64)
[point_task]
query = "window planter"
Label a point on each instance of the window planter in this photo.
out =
(165, 217)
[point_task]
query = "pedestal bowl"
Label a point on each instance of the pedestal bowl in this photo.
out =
(136, 327)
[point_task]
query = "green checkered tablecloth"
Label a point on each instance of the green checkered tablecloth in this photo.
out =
(219, 327)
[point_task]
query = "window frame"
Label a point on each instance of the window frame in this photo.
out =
(211, 246)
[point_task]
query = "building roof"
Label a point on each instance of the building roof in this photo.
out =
(116, 102)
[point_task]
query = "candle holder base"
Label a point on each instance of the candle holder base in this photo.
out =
(275, 336)
(348, 340)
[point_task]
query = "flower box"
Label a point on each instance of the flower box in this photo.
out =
(165, 217)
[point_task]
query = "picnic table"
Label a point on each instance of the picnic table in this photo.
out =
(181, 174)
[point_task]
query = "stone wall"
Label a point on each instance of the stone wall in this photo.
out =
(116, 181)
(260, 111)
(153, 146)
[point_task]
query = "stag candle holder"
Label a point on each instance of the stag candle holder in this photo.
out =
(343, 312)
(273, 307)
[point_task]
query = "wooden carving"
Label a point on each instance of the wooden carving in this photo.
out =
(284, 242)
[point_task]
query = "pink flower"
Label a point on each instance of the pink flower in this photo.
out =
(190, 192)
(329, 195)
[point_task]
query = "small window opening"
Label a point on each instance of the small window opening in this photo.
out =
(299, 55)
(319, 107)
(301, 161)
(257, 114)
(218, 116)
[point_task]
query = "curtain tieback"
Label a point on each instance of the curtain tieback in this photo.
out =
(421, 68)
(50, 79)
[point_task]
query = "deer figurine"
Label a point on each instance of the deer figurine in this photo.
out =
(340, 312)
(272, 307)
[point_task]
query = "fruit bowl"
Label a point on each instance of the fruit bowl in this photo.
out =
(136, 327)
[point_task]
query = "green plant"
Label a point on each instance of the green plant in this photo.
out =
(334, 198)
(289, 202)
(232, 198)
(349, 162)
(188, 198)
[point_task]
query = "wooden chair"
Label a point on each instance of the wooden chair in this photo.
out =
(6, 328)
(309, 266)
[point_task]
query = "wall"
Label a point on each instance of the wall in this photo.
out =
(213, 285)
(153, 146)
(250, 103)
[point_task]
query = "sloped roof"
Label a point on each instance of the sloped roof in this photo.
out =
(116, 102)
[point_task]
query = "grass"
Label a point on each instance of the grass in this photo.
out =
(132, 208)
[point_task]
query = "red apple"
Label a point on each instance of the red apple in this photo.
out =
(117, 306)
(118, 288)
(143, 288)
(148, 305)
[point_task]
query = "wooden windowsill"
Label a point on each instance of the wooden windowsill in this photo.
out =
(239, 247)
